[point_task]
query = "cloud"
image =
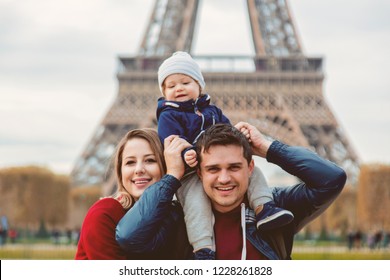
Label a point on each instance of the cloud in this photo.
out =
(59, 61)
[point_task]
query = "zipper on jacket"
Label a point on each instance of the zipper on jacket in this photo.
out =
(243, 228)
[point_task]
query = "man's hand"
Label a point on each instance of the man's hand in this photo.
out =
(173, 146)
(246, 132)
(259, 143)
(190, 158)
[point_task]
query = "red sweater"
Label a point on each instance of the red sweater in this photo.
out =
(97, 239)
(228, 237)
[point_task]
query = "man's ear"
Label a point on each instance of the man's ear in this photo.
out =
(251, 167)
(198, 172)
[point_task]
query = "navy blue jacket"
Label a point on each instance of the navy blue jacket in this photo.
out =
(187, 119)
(154, 227)
(150, 222)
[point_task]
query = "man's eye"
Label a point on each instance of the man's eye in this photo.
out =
(235, 168)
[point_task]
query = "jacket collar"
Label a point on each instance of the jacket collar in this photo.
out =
(187, 106)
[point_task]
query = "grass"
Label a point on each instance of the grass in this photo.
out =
(37, 252)
(353, 255)
(67, 252)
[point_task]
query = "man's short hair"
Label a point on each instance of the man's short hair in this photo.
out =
(223, 134)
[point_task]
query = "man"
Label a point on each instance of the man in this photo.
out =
(225, 166)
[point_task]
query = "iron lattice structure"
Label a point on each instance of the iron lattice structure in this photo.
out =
(279, 89)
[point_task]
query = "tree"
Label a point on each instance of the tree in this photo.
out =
(341, 215)
(373, 197)
(33, 194)
(81, 199)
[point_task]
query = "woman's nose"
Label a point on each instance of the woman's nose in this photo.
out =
(139, 168)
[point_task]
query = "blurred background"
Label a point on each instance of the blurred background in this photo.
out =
(60, 64)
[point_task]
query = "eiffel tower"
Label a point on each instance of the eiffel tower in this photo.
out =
(279, 89)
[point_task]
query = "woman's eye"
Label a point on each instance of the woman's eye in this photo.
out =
(151, 160)
(130, 162)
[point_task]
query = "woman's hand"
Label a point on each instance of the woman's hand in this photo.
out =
(173, 146)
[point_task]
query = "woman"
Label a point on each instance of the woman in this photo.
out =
(145, 195)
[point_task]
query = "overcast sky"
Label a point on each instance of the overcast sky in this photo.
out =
(58, 63)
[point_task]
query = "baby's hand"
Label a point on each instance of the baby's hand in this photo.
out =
(190, 158)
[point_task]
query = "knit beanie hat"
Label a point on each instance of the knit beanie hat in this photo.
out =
(180, 63)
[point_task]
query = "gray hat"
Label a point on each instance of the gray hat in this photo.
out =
(180, 63)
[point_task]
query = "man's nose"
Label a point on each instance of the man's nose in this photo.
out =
(224, 176)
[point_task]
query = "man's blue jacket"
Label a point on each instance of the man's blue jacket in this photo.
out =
(153, 220)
